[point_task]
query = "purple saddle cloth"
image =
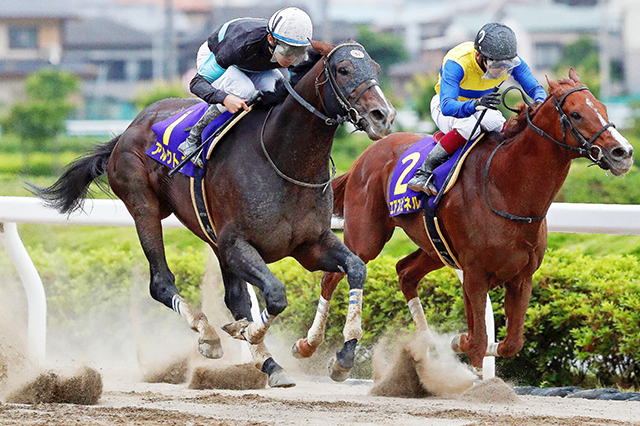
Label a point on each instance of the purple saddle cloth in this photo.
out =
(402, 199)
(172, 132)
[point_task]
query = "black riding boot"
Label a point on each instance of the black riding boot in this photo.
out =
(194, 139)
(422, 180)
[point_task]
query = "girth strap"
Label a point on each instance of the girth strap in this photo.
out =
(199, 199)
(439, 242)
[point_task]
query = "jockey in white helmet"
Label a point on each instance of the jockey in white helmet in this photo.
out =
(243, 56)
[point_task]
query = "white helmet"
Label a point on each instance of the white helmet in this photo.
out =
(292, 26)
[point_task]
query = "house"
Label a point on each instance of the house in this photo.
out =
(544, 27)
(32, 37)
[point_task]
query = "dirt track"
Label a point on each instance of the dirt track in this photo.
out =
(314, 401)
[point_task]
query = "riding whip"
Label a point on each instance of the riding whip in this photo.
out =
(464, 147)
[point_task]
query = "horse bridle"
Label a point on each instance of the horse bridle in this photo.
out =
(586, 147)
(351, 115)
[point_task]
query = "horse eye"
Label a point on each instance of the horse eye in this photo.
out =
(576, 115)
(343, 71)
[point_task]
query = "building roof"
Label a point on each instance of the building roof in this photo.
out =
(556, 17)
(103, 33)
(189, 6)
(36, 9)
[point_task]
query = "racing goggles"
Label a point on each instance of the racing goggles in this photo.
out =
(497, 68)
(288, 51)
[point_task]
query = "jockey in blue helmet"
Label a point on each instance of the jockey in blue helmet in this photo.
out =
(468, 75)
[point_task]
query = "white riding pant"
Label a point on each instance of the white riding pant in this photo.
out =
(493, 121)
(238, 82)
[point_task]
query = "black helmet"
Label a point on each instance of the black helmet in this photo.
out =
(496, 41)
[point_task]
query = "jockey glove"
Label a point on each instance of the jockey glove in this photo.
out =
(490, 101)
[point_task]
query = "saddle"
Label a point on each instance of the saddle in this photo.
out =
(403, 200)
(172, 132)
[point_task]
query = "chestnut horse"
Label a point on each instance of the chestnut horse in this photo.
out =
(493, 218)
(268, 194)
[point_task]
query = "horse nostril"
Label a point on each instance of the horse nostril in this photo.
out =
(377, 115)
(621, 153)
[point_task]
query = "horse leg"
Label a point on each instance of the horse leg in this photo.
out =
(238, 301)
(411, 269)
(474, 344)
(162, 287)
(516, 301)
(331, 255)
(244, 261)
(304, 348)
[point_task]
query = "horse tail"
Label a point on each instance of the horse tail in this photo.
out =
(67, 194)
(338, 186)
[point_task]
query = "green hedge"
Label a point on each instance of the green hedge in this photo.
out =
(582, 326)
(583, 321)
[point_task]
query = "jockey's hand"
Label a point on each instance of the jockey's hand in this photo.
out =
(488, 101)
(234, 104)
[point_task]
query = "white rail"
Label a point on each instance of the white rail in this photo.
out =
(562, 217)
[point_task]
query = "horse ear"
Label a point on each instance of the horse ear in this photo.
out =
(377, 67)
(322, 47)
(552, 85)
(573, 75)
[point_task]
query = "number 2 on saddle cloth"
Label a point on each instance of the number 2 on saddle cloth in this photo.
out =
(403, 200)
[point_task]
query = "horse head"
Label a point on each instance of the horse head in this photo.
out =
(585, 117)
(354, 93)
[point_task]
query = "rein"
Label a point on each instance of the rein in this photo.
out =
(352, 114)
(586, 147)
(323, 185)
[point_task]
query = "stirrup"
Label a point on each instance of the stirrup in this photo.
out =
(186, 148)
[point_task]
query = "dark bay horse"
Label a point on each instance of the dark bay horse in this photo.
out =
(500, 239)
(268, 193)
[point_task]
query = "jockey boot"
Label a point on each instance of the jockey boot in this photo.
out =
(422, 181)
(440, 153)
(194, 139)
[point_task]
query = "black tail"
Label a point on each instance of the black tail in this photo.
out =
(67, 194)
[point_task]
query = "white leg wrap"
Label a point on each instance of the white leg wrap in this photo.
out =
(417, 313)
(477, 375)
(353, 325)
(315, 336)
(257, 329)
(188, 312)
(492, 349)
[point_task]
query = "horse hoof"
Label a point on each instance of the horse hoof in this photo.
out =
(236, 329)
(210, 349)
(455, 344)
(280, 379)
(337, 372)
(302, 349)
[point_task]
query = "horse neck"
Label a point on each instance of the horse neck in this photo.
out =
(532, 168)
(296, 138)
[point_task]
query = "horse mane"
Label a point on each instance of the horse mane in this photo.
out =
(518, 122)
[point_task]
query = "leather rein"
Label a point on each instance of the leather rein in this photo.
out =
(586, 148)
(351, 114)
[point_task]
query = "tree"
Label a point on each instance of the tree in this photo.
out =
(43, 116)
(582, 55)
(386, 49)
(160, 91)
